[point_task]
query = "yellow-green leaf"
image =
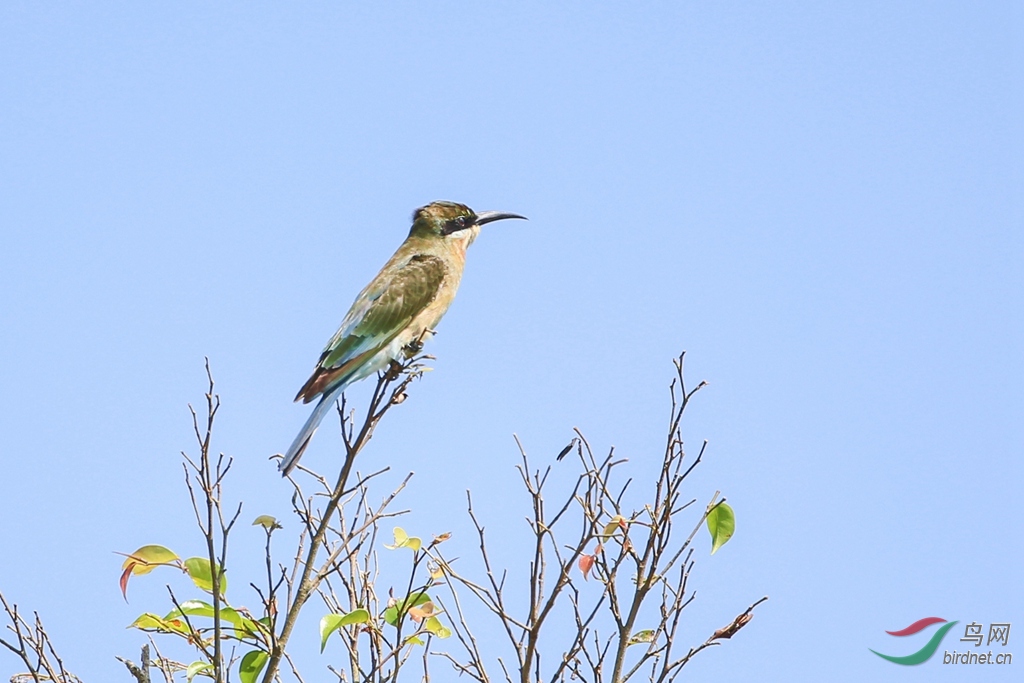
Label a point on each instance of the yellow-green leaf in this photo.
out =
(404, 540)
(147, 558)
(617, 522)
(147, 620)
(198, 569)
(152, 622)
(645, 636)
(195, 668)
(267, 522)
(434, 626)
(721, 524)
(143, 561)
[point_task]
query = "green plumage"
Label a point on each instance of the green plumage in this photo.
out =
(408, 291)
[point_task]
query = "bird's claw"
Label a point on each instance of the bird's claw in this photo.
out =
(394, 371)
(416, 345)
(413, 348)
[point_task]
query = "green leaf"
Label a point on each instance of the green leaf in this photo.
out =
(395, 612)
(229, 615)
(267, 522)
(195, 668)
(356, 616)
(404, 540)
(193, 608)
(645, 636)
(250, 627)
(332, 622)
(198, 569)
(414, 640)
(433, 625)
(198, 608)
(251, 666)
(721, 524)
(328, 625)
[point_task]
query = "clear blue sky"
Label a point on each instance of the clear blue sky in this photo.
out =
(820, 202)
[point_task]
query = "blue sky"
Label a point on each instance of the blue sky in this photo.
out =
(820, 203)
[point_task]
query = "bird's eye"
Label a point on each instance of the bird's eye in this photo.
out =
(456, 224)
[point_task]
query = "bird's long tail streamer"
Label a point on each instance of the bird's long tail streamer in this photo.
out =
(298, 447)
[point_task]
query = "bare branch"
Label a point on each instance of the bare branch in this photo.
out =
(32, 645)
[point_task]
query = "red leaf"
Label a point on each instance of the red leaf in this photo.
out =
(421, 612)
(586, 563)
(124, 581)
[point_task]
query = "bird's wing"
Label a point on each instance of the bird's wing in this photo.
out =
(379, 314)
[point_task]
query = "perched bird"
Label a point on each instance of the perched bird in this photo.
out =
(394, 313)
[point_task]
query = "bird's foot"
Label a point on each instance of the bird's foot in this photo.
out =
(416, 345)
(394, 371)
(413, 348)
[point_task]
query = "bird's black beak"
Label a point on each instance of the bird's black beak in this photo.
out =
(491, 216)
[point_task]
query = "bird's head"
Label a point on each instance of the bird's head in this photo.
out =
(448, 220)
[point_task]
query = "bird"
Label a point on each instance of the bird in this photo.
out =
(393, 314)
